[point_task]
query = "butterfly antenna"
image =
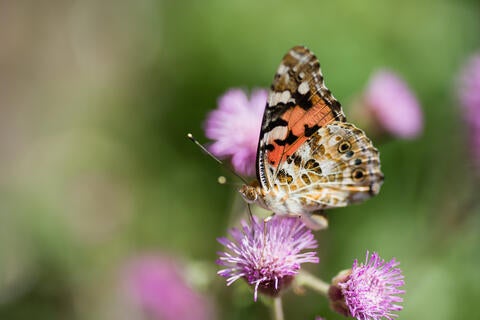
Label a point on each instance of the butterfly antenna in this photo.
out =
(192, 138)
(223, 180)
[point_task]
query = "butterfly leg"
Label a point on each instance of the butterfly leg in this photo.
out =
(315, 220)
(250, 214)
(265, 221)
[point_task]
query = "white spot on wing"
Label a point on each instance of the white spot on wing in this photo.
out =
(302, 58)
(303, 87)
(279, 97)
(278, 133)
(282, 69)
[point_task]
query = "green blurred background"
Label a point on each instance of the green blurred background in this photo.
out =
(96, 98)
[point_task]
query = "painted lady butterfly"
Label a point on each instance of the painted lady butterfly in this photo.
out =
(308, 157)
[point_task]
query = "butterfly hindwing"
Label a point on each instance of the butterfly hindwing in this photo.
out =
(337, 166)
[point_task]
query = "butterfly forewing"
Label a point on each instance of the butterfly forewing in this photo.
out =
(298, 105)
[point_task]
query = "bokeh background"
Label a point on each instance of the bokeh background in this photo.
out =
(95, 171)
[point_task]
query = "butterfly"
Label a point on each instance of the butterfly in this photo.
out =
(309, 158)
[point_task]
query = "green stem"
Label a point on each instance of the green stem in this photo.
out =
(308, 280)
(277, 309)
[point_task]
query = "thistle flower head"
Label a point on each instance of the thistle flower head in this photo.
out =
(234, 128)
(368, 291)
(267, 254)
(393, 105)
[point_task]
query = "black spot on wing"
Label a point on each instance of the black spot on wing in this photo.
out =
(276, 110)
(277, 123)
(284, 177)
(302, 100)
(309, 131)
(297, 160)
(272, 125)
(291, 138)
(310, 164)
(306, 179)
(272, 117)
(269, 147)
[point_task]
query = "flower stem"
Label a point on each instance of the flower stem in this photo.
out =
(308, 280)
(277, 309)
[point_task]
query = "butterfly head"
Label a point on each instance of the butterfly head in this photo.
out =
(250, 192)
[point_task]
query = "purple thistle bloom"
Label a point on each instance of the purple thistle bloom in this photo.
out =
(157, 286)
(469, 94)
(267, 254)
(235, 127)
(370, 290)
(393, 105)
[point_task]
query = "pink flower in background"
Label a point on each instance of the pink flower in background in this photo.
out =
(234, 128)
(157, 286)
(368, 291)
(469, 92)
(267, 254)
(469, 95)
(393, 105)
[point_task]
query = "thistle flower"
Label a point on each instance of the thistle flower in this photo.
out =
(469, 95)
(392, 105)
(368, 291)
(156, 285)
(267, 254)
(235, 127)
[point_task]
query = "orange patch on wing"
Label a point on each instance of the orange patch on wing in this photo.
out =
(277, 154)
(320, 114)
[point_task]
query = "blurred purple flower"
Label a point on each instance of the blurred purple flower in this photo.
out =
(368, 291)
(235, 127)
(393, 105)
(156, 285)
(267, 254)
(469, 94)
